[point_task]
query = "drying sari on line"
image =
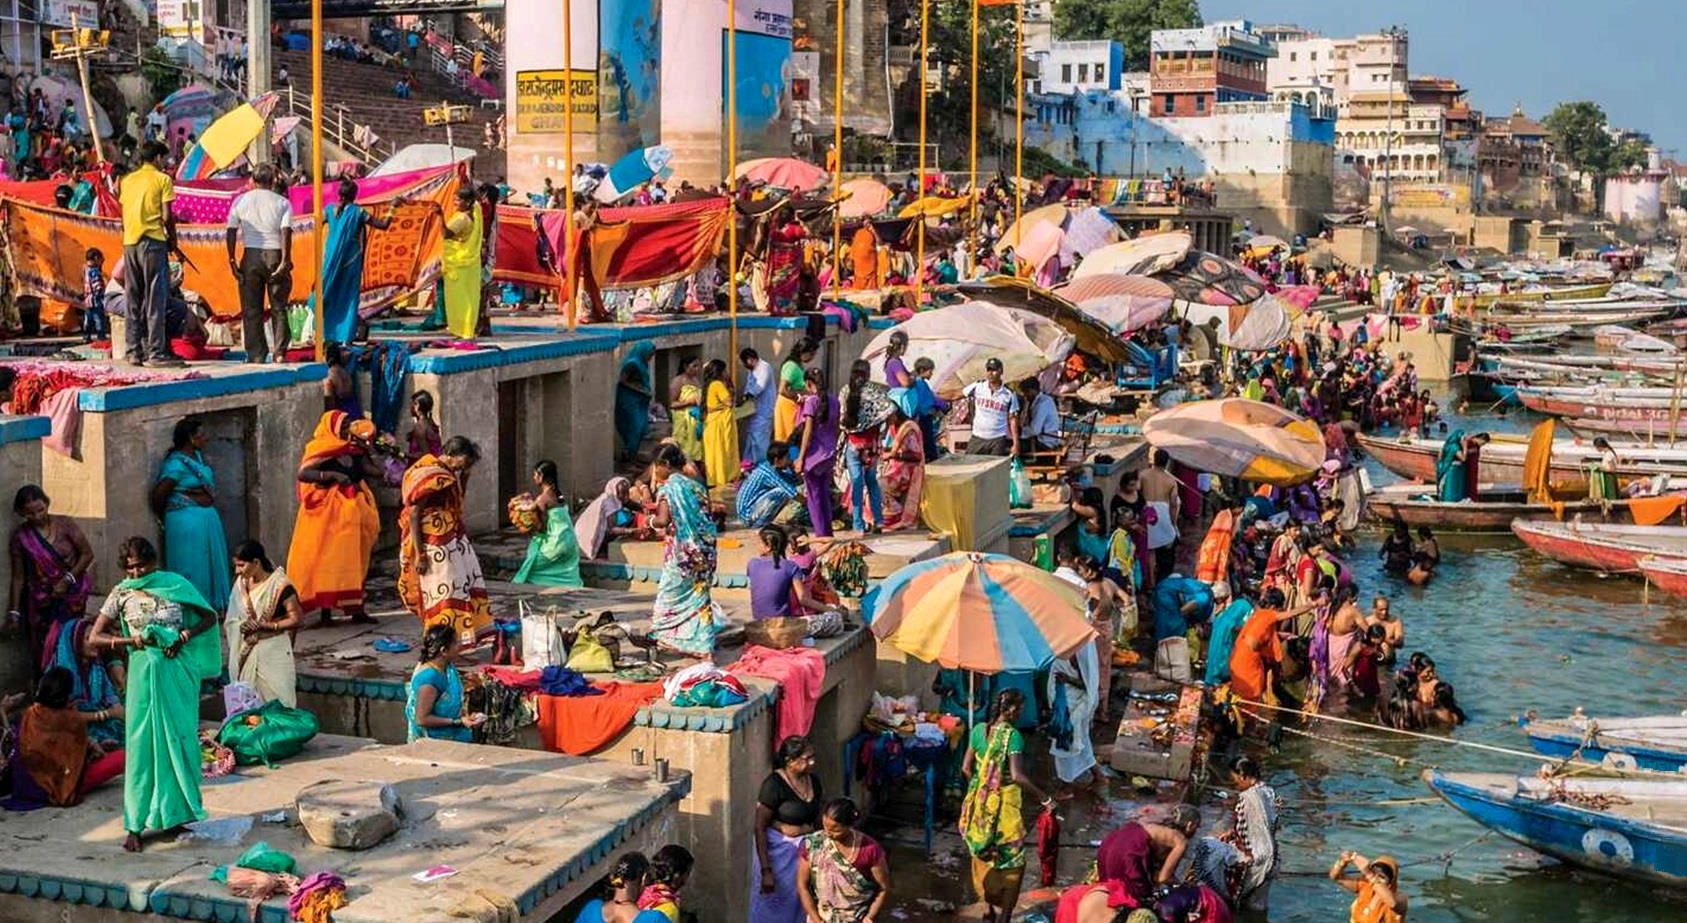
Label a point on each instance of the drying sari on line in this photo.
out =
(195, 545)
(452, 592)
(262, 660)
(460, 274)
(45, 566)
(684, 616)
(337, 525)
(903, 480)
(342, 270)
(842, 892)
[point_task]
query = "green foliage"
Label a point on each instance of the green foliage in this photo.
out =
(1629, 154)
(949, 112)
(1039, 162)
(1578, 130)
(1126, 21)
(162, 74)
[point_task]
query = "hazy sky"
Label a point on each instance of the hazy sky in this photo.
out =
(1626, 55)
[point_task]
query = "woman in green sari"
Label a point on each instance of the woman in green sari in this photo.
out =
(992, 816)
(159, 617)
(1450, 469)
(553, 556)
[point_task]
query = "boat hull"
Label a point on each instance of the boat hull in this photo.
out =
(1612, 554)
(1664, 576)
(1660, 749)
(1416, 460)
(1585, 838)
(1484, 517)
(1570, 293)
(1593, 409)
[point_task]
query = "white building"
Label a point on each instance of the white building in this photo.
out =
(1375, 63)
(1304, 72)
(1636, 196)
(1079, 67)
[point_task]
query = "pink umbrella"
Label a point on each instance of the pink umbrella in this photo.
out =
(1125, 303)
(866, 197)
(784, 172)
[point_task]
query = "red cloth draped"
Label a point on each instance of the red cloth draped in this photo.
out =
(578, 725)
(633, 247)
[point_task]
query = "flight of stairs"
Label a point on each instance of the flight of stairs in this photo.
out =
(366, 92)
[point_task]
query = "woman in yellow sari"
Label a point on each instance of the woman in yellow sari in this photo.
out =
(793, 387)
(685, 407)
(337, 525)
(992, 818)
(460, 280)
(864, 258)
(439, 578)
(720, 427)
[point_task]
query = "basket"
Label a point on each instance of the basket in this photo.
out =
(778, 633)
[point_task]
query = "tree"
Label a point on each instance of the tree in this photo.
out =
(1128, 22)
(1578, 130)
(1629, 154)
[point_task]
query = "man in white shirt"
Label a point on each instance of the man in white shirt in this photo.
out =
(1041, 432)
(995, 414)
(262, 221)
(758, 387)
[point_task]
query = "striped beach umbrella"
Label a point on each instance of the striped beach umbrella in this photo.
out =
(986, 613)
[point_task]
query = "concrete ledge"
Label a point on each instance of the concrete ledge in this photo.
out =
(493, 354)
(23, 429)
(155, 393)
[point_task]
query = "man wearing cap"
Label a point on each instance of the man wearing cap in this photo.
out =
(995, 414)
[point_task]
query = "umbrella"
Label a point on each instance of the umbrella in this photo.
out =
(227, 139)
(1300, 297)
(865, 197)
(1088, 230)
(1145, 255)
(1124, 303)
(933, 206)
(987, 613)
(422, 156)
(1041, 244)
(784, 172)
(1208, 278)
(1092, 335)
(1258, 325)
(1239, 438)
(1267, 241)
(1048, 214)
(959, 338)
(633, 170)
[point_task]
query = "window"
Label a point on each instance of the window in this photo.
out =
(1314, 55)
(1200, 104)
(1065, 73)
(1101, 73)
(1083, 73)
(1170, 103)
(1293, 57)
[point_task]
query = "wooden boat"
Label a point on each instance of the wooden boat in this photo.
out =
(1541, 295)
(1634, 829)
(1580, 320)
(1656, 743)
(1617, 338)
(1502, 459)
(1598, 402)
(1644, 431)
(1609, 547)
(1415, 505)
(1666, 574)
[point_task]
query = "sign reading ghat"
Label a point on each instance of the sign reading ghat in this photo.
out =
(539, 97)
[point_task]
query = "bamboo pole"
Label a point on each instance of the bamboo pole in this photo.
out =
(837, 152)
(919, 194)
(570, 285)
(732, 192)
(972, 166)
(315, 168)
(1018, 113)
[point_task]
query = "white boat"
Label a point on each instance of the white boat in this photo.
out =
(1658, 743)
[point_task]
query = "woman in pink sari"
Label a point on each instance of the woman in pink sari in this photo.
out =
(904, 469)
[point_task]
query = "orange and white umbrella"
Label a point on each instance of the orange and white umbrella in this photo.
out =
(1239, 438)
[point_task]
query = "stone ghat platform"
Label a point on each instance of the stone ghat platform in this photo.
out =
(540, 829)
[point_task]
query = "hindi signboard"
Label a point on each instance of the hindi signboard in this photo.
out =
(540, 95)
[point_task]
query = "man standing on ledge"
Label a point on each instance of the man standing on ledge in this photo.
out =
(263, 221)
(149, 237)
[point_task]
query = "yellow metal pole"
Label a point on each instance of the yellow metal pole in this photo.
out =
(972, 167)
(87, 94)
(315, 166)
(837, 152)
(569, 284)
(1018, 111)
(731, 186)
(919, 194)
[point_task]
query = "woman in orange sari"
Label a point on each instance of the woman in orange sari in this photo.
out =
(1212, 562)
(904, 468)
(864, 257)
(439, 578)
(335, 532)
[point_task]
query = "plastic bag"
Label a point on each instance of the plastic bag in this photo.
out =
(1019, 486)
(264, 859)
(264, 735)
(589, 655)
(541, 640)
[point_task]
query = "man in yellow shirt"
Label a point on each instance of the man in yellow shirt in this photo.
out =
(149, 237)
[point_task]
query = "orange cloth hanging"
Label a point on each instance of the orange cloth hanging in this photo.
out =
(582, 724)
(1649, 511)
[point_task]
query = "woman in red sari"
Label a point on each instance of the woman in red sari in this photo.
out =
(439, 577)
(52, 566)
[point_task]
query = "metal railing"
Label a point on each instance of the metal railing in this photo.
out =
(348, 134)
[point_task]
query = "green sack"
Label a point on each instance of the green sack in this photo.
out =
(265, 735)
(261, 858)
(1019, 486)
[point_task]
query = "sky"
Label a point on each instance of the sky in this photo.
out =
(1626, 55)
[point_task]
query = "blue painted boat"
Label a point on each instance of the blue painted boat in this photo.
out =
(1657, 743)
(1635, 829)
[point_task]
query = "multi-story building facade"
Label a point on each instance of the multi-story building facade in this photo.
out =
(1079, 67)
(1191, 71)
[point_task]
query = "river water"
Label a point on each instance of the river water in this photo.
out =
(1512, 632)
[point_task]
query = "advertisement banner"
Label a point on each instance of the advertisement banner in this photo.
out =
(540, 95)
(60, 12)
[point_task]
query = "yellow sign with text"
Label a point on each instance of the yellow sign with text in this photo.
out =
(540, 95)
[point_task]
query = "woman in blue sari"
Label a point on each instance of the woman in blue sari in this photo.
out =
(184, 497)
(342, 261)
(434, 708)
(1450, 469)
(632, 397)
(684, 617)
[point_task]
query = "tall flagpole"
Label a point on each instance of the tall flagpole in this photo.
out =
(570, 284)
(732, 181)
(315, 166)
(837, 152)
(919, 195)
(972, 232)
(1018, 113)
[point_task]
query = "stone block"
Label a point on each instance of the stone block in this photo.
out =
(348, 814)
